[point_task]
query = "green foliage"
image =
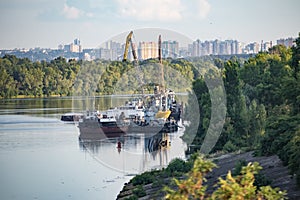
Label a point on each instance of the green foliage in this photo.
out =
(132, 197)
(238, 167)
(192, 187)
(203, 98)
(260, 179)
(240, 186)
(139, 191)
(230, 147)
(178, 167)
(144, 178)
(279, 132)
(20, 76)
(263, 105)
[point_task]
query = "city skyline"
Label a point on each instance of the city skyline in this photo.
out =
(113, 50)
(45, 24)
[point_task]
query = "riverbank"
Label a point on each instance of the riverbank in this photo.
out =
(273, 170)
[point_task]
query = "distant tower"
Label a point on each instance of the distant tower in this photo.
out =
(262, 46)
(77, 41)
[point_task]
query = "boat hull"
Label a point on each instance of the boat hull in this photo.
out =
(92, 130)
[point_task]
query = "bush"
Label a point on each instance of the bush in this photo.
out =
(178, 167)
(132, 197)
(144, 178)
(139, 191)
(229, 147)
(260, 179)
(233, 187)
(238, 167)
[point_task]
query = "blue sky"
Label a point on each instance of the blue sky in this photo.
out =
(48, 23)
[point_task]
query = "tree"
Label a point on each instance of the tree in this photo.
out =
(7, 84)
(192, 187)
(233, 187)
(242, 186)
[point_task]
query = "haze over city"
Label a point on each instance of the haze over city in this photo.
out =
(46, 24)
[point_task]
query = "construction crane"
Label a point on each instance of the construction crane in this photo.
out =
(129, 42)
(139, 73)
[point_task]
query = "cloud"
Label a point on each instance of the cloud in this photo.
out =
(163, 10)
(203, 8)
(71, 12)
(133, 10)
(147, 10)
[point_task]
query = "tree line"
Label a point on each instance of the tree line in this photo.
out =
(20, 76)
(61, 77)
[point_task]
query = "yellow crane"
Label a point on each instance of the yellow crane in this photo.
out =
(129, 42)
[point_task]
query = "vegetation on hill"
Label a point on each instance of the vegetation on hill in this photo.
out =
(263, 104)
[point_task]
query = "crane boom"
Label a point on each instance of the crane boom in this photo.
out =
(129, 41)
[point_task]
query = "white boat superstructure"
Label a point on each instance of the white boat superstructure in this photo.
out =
(131, 110)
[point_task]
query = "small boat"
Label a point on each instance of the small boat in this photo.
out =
(71, 117)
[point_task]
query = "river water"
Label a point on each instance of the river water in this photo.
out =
(42, 158)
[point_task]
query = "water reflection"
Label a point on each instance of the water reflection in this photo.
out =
(151, 144)
(135, 153)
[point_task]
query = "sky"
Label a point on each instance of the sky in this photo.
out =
(48, 23)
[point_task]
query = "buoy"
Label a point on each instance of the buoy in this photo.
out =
(119, 145)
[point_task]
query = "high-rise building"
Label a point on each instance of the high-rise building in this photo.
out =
(111, 50)
(239, 48)
(234, 47)
(266, 46)
(74, 47)
(147, 50)
(252, 48)
(184, 52)
(105, 54)
(77, 42)
(170, 49)
(288, 42)
(216, 47)
(196, 48)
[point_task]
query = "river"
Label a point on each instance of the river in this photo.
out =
(42, 158)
